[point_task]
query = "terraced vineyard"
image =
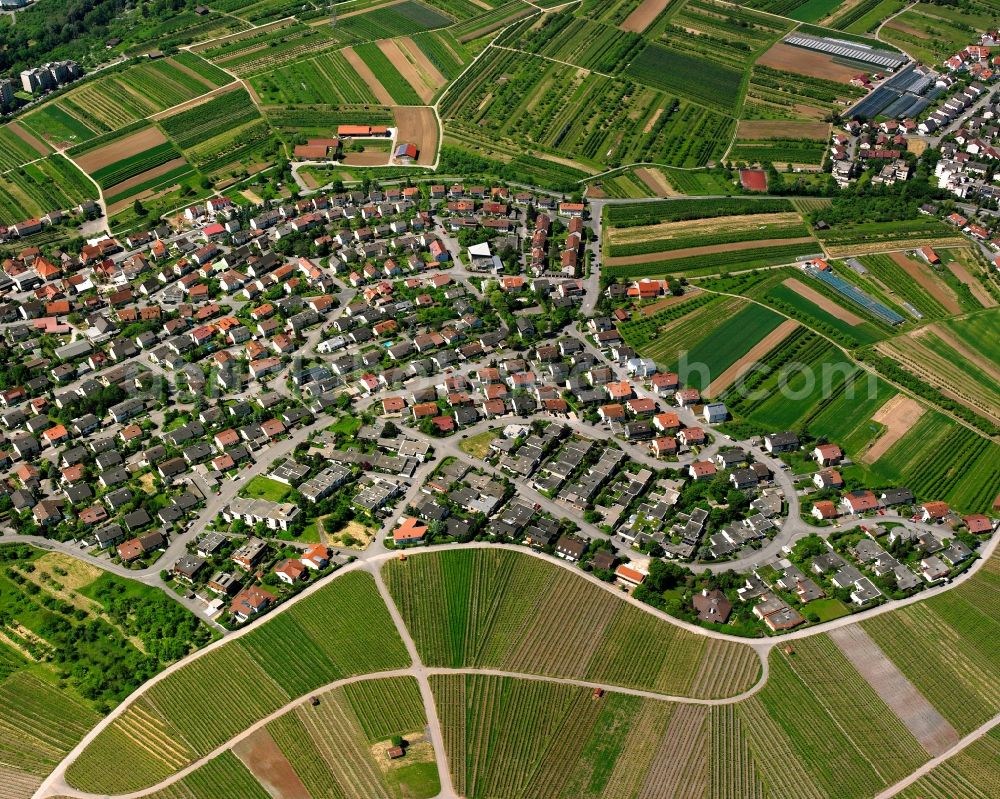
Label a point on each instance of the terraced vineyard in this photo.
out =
(510, 611)
(221, 693)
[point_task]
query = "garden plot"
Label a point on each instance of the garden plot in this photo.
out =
(898, 416)
(644, 15)
(823, 302)
(810, 63)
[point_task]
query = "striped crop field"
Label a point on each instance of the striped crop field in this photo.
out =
(337, 747)
(314, 642)
(508, 610)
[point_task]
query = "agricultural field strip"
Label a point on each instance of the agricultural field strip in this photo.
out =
(412, 671)
(902, 389)
(976, 735)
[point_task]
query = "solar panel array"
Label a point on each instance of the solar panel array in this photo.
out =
(856, 295)
(855, 52)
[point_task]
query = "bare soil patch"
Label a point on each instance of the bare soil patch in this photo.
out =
(820, 301)
(928, 726)
(141, 178)
(407, 69)
(758, 351)
(594, 191)
(201, 100)
(751, 129)
(916, 146)
(367, 76)
(684, 228)
(806, 62)
(643, 16)
(366, 159)
(28, 138)
(657, 184)
(364, 10)
(922, 274)
(431, 74)
(121, 149)
(735, 246)
(252, 196)
(898, 416)
(416, 124)
(666, 302)
(261, 755)
(983, 297)
(945, 375)
(652, 121)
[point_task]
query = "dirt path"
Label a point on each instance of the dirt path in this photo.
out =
(736, 246)
(195, 102)
(983, 297)
(407, 69)
(758, 351)
(364, 71)
(819, 300)
(930, 765)
(192, 74)
(643, 16)
(268, 764)
(928, 281)
(928, 726)
(898, 415)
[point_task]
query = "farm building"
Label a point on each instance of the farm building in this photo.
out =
(405, 153)
(317, 149)
(362, 131)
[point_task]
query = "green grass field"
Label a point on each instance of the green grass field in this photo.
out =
(265, 488)
(501, 609)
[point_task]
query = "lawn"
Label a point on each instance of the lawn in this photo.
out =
(346, 425)
(478, 446)
(262, 487)
(828, 609)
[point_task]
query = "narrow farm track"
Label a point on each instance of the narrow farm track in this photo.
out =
(418, 671)
(930, 765)
(55, 784)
